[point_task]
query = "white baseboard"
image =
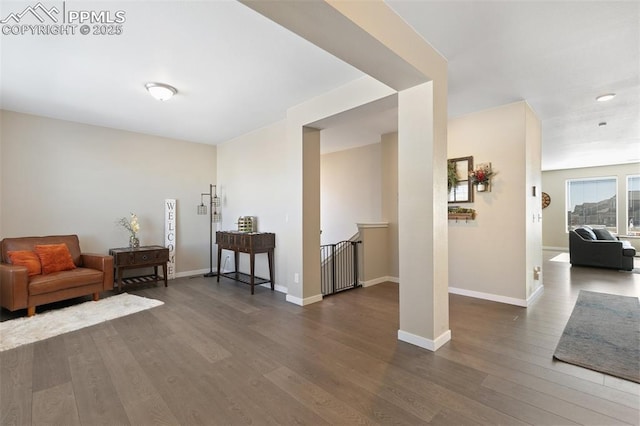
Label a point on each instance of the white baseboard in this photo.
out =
(192, 273)
(303, 302)
(278, 288)
(379, 280)
(423, 342)
(489, 296)
(556, 248)
(535, 295)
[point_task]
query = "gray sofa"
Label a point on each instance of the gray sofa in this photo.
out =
(597, 247)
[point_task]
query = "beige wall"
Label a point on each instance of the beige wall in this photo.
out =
(373, 261)
(60, 177)
(422, 218)
(350, 189)
(533, 203)
(345, 98)
(311, 209)
(554, 183)
(389, 145)
(252, 183)
(490, 257)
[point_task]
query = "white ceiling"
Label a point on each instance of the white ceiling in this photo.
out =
(237, 71)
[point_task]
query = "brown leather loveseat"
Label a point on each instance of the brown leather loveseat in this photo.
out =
(52, 273)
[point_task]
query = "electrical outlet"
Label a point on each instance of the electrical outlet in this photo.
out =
(296, 278)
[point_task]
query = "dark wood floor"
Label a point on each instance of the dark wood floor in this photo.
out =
(214, 354)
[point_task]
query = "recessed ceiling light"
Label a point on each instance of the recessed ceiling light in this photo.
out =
(161, 91)
(602, 123)
(606, 97)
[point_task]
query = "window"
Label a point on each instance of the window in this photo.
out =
(633, 205)
(592, 202)
(460, 190)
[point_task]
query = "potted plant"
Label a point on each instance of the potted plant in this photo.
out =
(481, 177)
(452, 176)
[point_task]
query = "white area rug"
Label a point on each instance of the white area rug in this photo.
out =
(21, 331)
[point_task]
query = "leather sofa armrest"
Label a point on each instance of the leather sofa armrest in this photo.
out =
(14, 286)
(102, 263)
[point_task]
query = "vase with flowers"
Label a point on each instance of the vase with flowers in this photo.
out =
(481, 177)
(133, 227)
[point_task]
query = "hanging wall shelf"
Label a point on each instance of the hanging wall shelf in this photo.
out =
(460, 213)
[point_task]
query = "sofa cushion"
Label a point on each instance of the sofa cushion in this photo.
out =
(54, 257)
(586, 233)
(604, 234)
(41, 284)
(26, 258)
(29, 243)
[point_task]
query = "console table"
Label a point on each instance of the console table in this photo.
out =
(141, 257)
(251, 243)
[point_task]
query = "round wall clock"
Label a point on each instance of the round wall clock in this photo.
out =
(546, 200)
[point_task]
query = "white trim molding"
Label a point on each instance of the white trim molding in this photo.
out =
(379, 280)
(423, 342)
(278, 288)
(535, 295)
(498, 298)
(373, 225)
(556, 248)
(303, 302)
(191, 273)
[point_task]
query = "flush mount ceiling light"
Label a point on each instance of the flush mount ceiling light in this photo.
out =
(606, 97)
(161, 91)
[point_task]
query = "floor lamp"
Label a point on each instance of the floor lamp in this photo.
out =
(214, 217)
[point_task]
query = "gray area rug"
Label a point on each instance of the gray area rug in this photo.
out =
(21, 331)
(603, 334)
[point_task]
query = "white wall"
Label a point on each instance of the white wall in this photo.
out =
(60, 177)
(489, 257)
(554, 183)
(350, 191)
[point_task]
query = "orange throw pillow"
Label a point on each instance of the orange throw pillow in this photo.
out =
(54, 257)
(26, 258)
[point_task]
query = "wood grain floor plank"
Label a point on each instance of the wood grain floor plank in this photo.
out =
(16, 392)
(322, 403)
(261, 399)
(326, 368)
(609, 411)
(552, 404)
(178, 379)
(187, 334)
(547, 368)
(96, 398)
(56, 406)
(50, 364)
(139, 397)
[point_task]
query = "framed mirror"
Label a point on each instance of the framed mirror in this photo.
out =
(459, 185)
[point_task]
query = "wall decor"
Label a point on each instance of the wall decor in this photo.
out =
(461, 213)
(458, 182)
(481, 177)
(546, 200)
(170, 235)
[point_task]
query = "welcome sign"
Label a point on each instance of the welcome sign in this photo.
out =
(170, 235)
